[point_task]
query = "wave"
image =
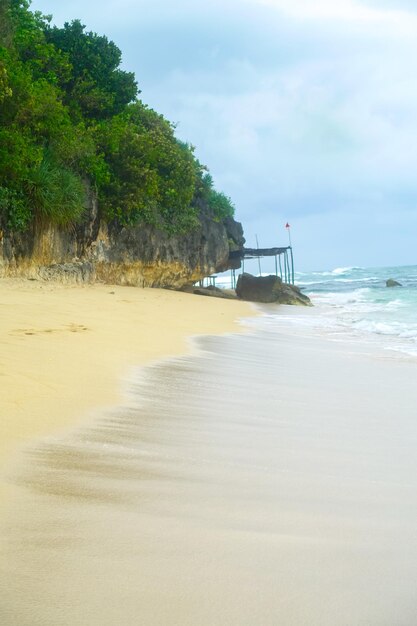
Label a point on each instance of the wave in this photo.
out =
(341, 297)
(343, 270)
(336, 272)
(355, 302)
(327, 281)
(395, 329)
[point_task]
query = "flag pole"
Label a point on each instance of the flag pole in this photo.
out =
(288, 227)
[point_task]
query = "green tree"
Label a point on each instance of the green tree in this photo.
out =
(152, 175)
(5, 89)
(217, 202)
(6, 30)
(68, 114)
(97, 87)
(220, 205)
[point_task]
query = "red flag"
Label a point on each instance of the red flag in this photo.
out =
(287, 225)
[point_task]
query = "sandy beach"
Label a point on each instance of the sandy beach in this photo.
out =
(268, 477)
(65, 349)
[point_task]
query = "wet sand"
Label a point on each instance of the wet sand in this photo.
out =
(271, 479)
(65, 349)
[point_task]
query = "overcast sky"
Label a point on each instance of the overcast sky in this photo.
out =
(304, 110)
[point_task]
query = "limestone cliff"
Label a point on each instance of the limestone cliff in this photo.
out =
(139, 255)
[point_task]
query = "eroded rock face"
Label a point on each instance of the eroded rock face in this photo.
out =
(392, 283)
(140, 255)
(269, 289)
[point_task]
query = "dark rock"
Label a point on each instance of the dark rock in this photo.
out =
(392, 283)
(211, 290)
(214, 292)
(269, 289)
(234, 233)
(236, 241)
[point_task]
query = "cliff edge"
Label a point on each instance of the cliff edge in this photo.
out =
(138, 255)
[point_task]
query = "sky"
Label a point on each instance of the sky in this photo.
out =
(303, 110)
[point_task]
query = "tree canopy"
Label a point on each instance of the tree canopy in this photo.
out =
(70, 114)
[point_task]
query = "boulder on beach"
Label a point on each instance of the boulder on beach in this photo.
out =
(269, 289)
(211, 290)
(393, 283)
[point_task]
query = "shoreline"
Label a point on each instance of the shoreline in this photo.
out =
(236, 473)
(66, 348)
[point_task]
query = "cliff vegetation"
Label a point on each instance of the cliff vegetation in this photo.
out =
(71, 122)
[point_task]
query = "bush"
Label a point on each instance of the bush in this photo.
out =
(56, 194)
(15, 214)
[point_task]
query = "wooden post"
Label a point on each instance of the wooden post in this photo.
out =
(259, 258)
(288, 266)
(292, 266)
(280, 266)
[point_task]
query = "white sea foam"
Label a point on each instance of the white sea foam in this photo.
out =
(354, 302)
(370, 312)
(409, 350)
(393, 305)
(344, 270)
(337, 299)
(329, 280)
(380, 328)
(358, 280)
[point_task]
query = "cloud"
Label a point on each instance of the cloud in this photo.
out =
(300, 109)
(320, 10)
(407, 6)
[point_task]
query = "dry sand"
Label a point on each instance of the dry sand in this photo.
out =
(64, 349)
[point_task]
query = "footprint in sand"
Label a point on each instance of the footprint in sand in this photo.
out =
(72, 328)
(76, 328)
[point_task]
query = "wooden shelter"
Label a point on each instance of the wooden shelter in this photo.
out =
(284, 261)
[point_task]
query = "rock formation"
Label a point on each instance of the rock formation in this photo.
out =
(211, 291)
(140, 255)
(269, 289)
(392, 283)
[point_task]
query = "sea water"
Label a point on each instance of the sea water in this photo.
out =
(355, 304)
(355, 301)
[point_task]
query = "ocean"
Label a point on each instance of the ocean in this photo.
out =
(268, 477)
(355, 301)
